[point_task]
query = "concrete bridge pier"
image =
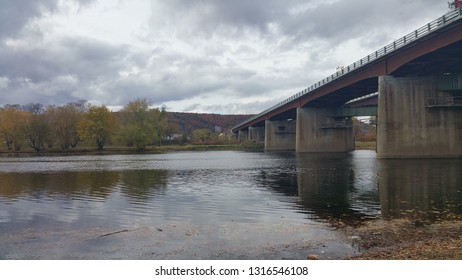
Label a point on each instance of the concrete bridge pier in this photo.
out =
(257, 134)
(280, 135)
(415, 119)
(318, 132)
(242, 136)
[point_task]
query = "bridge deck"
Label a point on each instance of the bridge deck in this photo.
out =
(412, 38)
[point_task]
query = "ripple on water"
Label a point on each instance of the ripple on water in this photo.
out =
(212, 197)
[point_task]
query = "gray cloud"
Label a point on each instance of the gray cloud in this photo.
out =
(61, 67)
(14, 15)
(298, 19)
(235, 55)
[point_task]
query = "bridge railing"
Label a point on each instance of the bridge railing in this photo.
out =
(450, 101)
(406, 40)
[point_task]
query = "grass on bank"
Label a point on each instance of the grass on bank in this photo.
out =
(365, 145)
(114, 149)
(118, 149)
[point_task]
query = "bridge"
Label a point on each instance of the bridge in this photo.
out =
(413, 85)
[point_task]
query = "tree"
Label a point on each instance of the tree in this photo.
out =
(37, 128)
(161, 125)
(12, 127)
(64, 120)
(142, 126)
(364, 130)
(97, 125)
(201, 135)
(37, 131)
(34, 108)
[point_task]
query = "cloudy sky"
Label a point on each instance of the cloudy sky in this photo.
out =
(213, 56)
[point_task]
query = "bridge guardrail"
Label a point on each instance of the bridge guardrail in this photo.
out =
(403, 41)
(451, 101)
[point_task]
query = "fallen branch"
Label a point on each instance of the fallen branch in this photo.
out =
(112, 233)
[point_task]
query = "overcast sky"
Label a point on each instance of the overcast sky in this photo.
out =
(212, 56)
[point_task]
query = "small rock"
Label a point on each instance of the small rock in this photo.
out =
(313, 257)
(419, 223)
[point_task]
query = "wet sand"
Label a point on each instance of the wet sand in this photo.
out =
(373, 240)
(179, 241)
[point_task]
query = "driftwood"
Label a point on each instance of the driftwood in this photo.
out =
(112, 233)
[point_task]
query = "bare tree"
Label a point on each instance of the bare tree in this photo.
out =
(63, 122)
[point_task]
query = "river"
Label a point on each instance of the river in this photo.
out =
(211, 205)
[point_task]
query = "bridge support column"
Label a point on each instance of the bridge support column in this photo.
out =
(257, 134)
(409, 126)
(280, 135)
(242, 136)
(317, 132)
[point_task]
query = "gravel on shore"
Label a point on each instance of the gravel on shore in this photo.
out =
(405, 239)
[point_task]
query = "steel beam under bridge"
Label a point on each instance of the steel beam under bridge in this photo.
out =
(355, 112)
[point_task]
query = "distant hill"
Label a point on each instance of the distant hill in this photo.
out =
(186, 123)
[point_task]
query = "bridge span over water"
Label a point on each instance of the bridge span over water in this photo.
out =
(418, 79)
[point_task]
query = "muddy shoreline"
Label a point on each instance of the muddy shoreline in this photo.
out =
(176, 241)
(372, 240)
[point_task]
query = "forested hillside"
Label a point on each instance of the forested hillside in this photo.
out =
(186, 123)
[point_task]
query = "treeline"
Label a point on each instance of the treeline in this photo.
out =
(41, 127)
(137, 125)
(187, 123)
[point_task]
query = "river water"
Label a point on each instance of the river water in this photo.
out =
(211, 205)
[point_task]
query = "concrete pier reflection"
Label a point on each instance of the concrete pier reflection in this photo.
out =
(424, 189)
(338, 186)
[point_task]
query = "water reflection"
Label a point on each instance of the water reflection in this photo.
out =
(283, 178)
(337, 186)
(211, 204)
(236, 186)
(358, 186)
(66, 184)
(425, 188)
(142, 185)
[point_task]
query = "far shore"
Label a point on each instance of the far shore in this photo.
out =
(113, 150)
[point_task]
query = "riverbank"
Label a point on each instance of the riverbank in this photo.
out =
(405, 239)
(112, 150)
(365, 145)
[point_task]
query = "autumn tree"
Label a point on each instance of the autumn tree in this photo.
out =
(64, 121)
(37, 131)
(162, 126)
(141, 126)
(201, 135)
(37, 128)
(97, 126)
(12, 126)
